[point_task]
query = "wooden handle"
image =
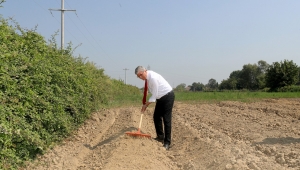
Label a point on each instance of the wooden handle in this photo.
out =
(141, 121)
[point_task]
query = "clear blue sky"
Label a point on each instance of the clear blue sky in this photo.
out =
(185, 41)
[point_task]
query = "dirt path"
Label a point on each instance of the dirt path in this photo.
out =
(226, 135)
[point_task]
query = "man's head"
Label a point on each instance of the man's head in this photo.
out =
(140, 72)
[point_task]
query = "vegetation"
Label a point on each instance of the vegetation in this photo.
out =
(197, 87)
(1, 1)
(212, 84)
(46, 93)
(251, 77)
(254, 77)
(282, 74)
(245, 96)
(181, 87)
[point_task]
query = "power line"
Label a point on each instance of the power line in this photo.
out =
(56, 20)
(78, 17)
(93, 37)
(46, 10)
(80, 30)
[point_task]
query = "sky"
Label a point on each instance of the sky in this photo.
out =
(185, 41)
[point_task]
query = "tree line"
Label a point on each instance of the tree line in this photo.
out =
(254, 77)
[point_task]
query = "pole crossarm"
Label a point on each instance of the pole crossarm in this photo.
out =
(62, 10)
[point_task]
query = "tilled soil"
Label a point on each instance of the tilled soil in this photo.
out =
(226, 135)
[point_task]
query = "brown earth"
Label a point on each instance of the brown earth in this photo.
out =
(226, 135)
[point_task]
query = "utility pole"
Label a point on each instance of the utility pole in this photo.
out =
(62, 10)
(125, 73)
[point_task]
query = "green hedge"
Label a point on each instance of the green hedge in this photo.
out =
(45, 93)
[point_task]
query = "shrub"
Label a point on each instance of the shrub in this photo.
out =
(45, 93)
(293, 88)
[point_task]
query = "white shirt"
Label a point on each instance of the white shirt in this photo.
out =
(157, 85)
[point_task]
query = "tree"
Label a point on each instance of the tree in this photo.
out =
(235, 78)
(250, 77)
(235, 74)
(212, 84)
(180, 87)
(197, 86)
(282, 74)
(261, 79)
(232, 83)
(263, 66)
(1, 1)
(229, 84)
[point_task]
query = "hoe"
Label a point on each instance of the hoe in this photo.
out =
(138, 133)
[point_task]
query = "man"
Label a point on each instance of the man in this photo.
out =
(164, 97)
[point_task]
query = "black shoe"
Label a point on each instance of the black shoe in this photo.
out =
(167, 146)
(159, 139)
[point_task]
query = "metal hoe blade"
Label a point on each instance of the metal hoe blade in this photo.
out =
(138, 133)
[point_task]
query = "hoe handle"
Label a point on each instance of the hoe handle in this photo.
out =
(140, 122)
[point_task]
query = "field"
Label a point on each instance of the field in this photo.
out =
(256, 135)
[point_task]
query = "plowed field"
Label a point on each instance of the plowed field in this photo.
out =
(226, 135)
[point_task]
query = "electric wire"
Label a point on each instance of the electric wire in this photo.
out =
(56, 20)
(112, 73)
(93, 37)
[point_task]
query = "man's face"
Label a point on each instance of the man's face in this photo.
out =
(142, 75)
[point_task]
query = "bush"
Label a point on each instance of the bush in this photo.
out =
(282, 74)
(293, 88)
(45, 93)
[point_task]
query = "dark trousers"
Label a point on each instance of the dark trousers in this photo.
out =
(163, 116)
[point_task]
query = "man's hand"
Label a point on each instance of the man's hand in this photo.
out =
(144, 108)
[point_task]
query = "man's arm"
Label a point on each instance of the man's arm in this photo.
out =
(145, 106)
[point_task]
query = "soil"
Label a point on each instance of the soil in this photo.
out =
(226, 135)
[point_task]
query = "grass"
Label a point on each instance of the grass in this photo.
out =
(205, 97)
(126, 100)
(232, 96)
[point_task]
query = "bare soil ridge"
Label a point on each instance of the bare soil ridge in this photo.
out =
(225, 135)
